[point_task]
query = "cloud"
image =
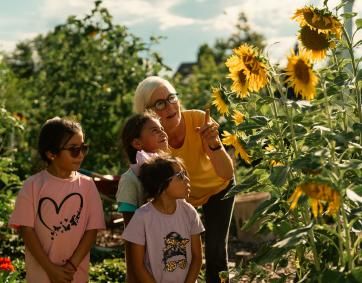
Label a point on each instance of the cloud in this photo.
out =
(140, 11)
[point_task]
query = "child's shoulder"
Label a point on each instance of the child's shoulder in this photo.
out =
(185, 205)
(85, 177)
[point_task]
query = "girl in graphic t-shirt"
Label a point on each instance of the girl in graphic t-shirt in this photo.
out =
(164, 234)
(58, 211)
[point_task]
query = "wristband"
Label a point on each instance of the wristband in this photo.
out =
(216, 147)
(72, 264)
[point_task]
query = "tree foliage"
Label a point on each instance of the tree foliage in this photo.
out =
(87, 69)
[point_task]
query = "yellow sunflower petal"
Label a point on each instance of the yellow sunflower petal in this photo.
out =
(238, 117)
(300, 76)
(320, 20)
(314, 204)
(316, 44)
(219, 102)
(228, 138)
(295, 197)
(240, 151)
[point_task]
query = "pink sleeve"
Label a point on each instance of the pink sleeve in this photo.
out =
(96, 216)
(24, 212)
(135, 230)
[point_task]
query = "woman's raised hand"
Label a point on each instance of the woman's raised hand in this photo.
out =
(209, 132)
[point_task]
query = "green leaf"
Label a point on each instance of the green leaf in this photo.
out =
(293, 237)
(356, 275)
(349, 15)
(353, 196)
(278, 175)
(254, 122)
(246, 184)
(357, 127)
(359, 76)
(358, 24)
(358, 43)
(332, 276)
(341, 79)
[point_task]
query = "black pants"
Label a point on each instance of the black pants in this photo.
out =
(217, 215)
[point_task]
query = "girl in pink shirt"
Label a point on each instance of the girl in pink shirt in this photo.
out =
(58, 211)
(164, 234)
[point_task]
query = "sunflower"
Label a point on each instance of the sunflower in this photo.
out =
(238, 117)
(240, 84)
(316, 44)
(247, 70)
(219, 101)
(320, 20)
(253, 66)
(233, 140)
(301, 76)
(317, 193)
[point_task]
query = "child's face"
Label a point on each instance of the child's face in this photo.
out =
(179, 186)
(67, 161)
(153, 137)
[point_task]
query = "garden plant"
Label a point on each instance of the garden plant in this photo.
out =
(300, 130)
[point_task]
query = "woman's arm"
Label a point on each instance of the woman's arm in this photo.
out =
(213, 147)
(137, 258)
(195, 266)
(84, 247)
(55, 272)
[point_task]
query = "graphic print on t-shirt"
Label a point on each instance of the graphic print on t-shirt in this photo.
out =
(174, 252)
(60, 218)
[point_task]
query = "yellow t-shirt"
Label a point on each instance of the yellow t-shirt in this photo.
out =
(204, 180)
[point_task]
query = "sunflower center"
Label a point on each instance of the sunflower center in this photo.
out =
(301, 71)
(318, 21)
(251, 64)
(242, 77)
(313, 40)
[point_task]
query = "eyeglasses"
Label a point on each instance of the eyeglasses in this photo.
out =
(161, 103)
(75, 150)
(181, 175)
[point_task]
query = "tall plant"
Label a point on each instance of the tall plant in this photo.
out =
(301, 128)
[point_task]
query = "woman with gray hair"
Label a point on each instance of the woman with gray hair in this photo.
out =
(194, 137)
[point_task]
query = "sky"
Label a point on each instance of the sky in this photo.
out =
(185, 24)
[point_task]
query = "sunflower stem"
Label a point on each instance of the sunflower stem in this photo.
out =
(355, 72)
(275, 113)
(342, 94)
(340, 242)
(311, 242)
(348, 239)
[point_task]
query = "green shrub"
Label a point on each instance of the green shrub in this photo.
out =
(110, 270)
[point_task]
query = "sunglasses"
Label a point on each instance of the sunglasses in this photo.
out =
(75, 150)
(181, 175)
(162, 103)
(172, 265)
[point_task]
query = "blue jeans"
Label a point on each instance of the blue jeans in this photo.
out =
(217, 218)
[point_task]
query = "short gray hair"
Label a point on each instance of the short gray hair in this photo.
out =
(145, 90)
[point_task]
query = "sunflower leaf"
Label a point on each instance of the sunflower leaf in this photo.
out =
(359, 24)
(353, 196)
(278, 175)
(349, 15)
(358, 43)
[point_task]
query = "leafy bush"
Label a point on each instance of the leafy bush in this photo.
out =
(110, 270)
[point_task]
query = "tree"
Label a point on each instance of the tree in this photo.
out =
(87, 69)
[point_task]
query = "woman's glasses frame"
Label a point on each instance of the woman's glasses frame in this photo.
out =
(161, 104)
